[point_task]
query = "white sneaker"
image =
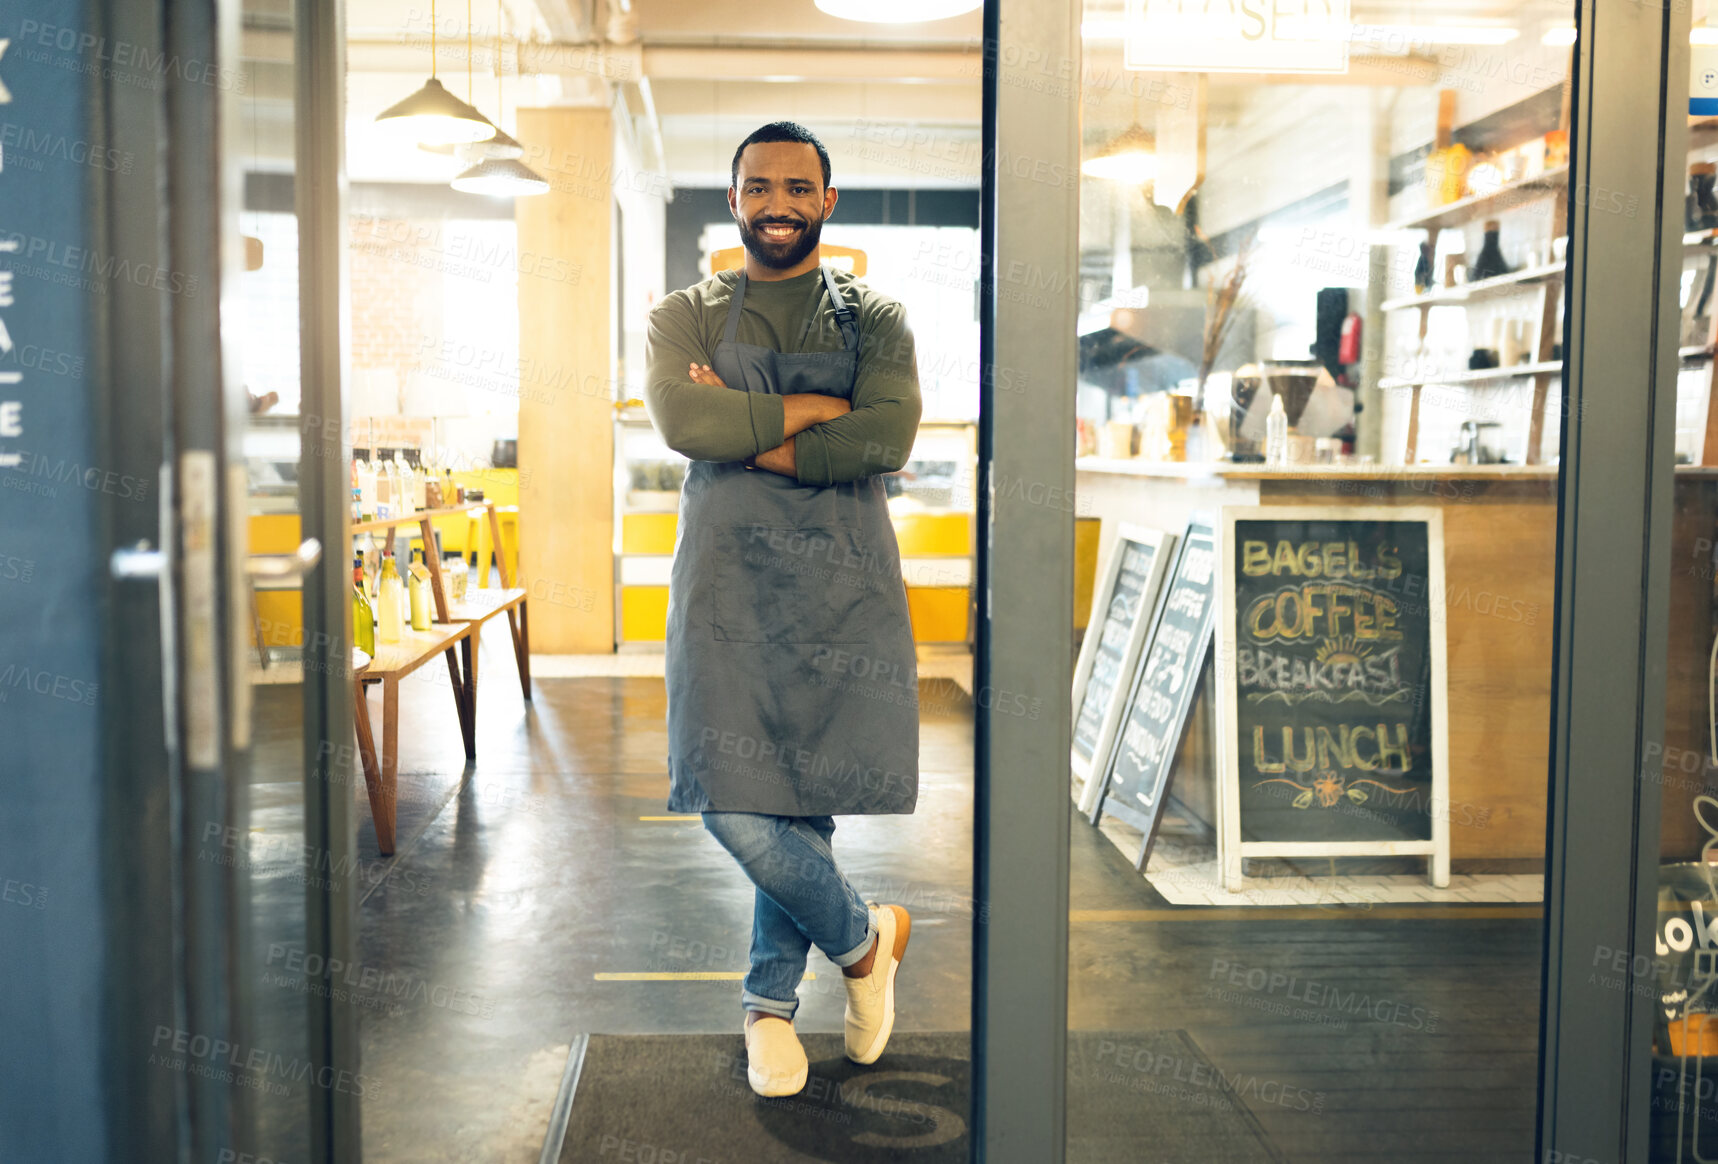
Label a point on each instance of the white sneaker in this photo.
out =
(871, 999)
(775, 1062)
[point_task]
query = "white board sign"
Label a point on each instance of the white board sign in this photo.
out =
(1122, 610)
(1238, 36)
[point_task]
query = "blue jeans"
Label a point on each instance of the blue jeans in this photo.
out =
(802, 901)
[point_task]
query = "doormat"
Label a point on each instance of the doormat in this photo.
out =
(1184, 871)
(685, 1098)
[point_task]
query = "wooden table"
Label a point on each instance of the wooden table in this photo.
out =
(454, 634)
(392, 663)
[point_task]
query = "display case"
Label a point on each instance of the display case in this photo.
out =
(930, 500)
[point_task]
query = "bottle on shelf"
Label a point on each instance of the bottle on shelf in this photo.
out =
(408, 486)
(1423, 269)
(366, 490)
(420, 489)
(363, 614)
(1276, 432)
(418, 588)
(391, 599)
(385, 492)
(1701, 205)
(372, 552)
(1490, 263)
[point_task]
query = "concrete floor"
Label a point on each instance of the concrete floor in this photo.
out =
(521, 878)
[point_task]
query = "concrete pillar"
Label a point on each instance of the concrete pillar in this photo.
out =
(566, 400)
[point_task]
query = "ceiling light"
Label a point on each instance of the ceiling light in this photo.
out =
(501, 178)
(502, 145)
(434, 115)
(897, 11)
(1131, 156)
(1559, 37)
(1703, 36)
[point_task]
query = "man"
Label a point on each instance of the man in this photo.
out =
(792, 683)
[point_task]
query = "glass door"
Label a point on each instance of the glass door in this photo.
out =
(1363, 621)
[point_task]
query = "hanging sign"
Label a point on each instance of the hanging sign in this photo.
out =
(1703, 80)
(1237, 36)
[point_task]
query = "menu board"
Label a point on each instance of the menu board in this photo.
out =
(1125, 599)
(1161, 695)
(1335, 725)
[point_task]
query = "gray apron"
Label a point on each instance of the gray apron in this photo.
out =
(792, 682)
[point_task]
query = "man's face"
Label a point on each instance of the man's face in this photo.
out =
(780, 202)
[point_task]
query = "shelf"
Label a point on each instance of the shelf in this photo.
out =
(1702, 239)
(1479, 205)
(1694, 355)
(1513, 372)
(1484, 289)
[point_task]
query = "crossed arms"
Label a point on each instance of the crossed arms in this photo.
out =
(814, 438)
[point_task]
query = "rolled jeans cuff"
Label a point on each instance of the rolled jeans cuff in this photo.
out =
(859, 951)
(771, 1006)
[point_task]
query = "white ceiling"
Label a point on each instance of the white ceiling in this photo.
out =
(895, 104)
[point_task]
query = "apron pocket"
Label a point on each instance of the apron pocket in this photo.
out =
(790, 584)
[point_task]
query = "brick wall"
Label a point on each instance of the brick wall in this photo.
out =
(396, 290)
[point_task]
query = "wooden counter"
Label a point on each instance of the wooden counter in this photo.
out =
(1500, 553)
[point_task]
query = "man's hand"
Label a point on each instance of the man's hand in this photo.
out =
(704, 374)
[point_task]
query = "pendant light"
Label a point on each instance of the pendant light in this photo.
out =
(1130, 156)
(501, 175)
(502, 144)
(434, 115)
(501, 178)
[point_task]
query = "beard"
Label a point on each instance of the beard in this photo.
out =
(788, 252)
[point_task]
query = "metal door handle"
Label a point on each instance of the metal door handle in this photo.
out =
(139, 563)
(293, 565)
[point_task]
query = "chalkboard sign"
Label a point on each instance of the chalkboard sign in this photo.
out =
(1122, 609)
(1161, 695)
(1332, 685)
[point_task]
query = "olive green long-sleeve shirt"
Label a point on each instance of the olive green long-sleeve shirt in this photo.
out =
(791, 316)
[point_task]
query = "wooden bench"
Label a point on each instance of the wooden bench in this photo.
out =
(453, 634)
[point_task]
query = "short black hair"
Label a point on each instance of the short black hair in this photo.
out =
(781, 131)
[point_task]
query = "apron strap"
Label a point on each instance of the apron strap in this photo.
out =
(844, 315)
(734, 305)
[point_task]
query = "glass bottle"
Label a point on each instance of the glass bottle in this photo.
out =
(1423, 269)
(1489, 264)
(363, 615)
(1701, 205)
(1276, 433)
(391, 599)
(418, 588)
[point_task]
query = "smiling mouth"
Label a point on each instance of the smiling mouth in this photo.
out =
(777, 232)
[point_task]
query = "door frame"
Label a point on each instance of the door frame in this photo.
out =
(1023, 646)
(331, 762)
(1611, 618)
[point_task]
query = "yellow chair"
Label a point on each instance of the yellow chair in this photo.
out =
(477, 537)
